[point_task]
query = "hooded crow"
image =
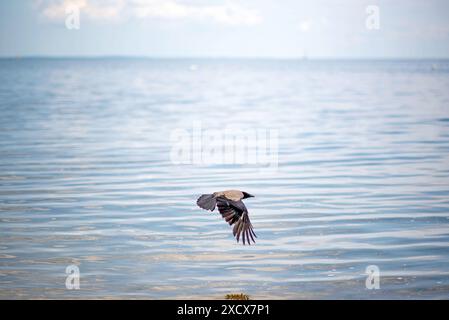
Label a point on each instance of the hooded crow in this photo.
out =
(233, 210)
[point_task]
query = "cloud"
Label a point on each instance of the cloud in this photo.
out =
(104, 10)
(228, 13)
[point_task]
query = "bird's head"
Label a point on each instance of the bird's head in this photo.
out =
(247, 195)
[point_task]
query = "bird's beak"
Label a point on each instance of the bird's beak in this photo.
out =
(251, 196)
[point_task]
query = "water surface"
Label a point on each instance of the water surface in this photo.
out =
(86, 178)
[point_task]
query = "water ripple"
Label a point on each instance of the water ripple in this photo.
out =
(86, 179)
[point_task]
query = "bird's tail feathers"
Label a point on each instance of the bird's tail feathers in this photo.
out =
(207, 202)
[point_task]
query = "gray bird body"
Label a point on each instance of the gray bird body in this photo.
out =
(233, 210)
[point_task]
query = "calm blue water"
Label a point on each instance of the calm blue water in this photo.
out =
(86, 178)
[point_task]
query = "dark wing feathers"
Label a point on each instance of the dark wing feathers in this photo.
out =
(207, 202)
(227, 212)
(235, 212)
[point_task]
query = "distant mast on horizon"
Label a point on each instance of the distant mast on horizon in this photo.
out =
(304, 56)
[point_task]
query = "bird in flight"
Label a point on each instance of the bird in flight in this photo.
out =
(233, 210)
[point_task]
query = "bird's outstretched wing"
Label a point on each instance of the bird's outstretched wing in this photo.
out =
(235, 212)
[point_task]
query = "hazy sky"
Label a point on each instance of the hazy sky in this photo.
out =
(225, 28)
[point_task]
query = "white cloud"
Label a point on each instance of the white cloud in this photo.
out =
(92, 9)
(227, 13)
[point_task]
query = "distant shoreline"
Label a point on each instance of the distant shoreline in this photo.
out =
(169, 58)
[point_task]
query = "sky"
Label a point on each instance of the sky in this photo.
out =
(226, 28)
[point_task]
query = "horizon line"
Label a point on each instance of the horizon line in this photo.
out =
(169, 57)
